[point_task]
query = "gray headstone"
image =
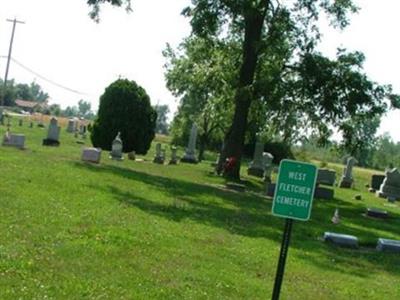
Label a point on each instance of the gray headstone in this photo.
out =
(14, 140)
(347, 178)
(376, 181)
(388, 245)
(159, 158)
(323, 193)
(257, 167)
(174, 156)
(71, 125)
(390, 186)
(377, 213)
(342, 240)
(326, 176)
(190, 154)
(116, 148)
(53, 134)
(132, 155)
(92, 155)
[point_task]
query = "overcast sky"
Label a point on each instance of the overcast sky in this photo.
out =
(62, 44)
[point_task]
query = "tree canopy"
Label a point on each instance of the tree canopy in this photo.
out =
(277, 77)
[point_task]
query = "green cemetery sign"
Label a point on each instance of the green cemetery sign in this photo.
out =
(294, 190)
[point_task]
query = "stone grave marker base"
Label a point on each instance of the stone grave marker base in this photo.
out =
(342, 240)
(50, 142)
(388, 245)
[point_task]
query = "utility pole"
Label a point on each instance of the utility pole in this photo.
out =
(15, 21)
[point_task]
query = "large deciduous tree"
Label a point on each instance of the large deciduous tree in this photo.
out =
(279, 65)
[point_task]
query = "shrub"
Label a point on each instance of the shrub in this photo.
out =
(124, 107)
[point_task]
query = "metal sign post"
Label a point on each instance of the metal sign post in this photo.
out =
(293, 197)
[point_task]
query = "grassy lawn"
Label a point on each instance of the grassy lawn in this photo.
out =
(137, 230)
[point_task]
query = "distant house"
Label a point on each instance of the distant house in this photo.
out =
(30, 106)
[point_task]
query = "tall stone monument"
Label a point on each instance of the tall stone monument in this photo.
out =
(390, 188)
(116, 148)
(256, 167)
(53, 134)
(190, 154)
(347, 178)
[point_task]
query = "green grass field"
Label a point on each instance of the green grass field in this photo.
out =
(137, 230)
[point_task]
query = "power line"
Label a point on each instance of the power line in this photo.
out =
(45, 78)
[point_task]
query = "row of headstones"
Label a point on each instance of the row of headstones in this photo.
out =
(18, 140)
(386, 186)
(94, 154)
(53, 134)
(351, 241)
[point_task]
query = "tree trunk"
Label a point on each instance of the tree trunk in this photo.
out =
(234, 140)
(202, 146)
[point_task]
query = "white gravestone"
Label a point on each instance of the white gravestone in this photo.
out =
(347, 177)
(53, 134)
(190, 154)
(116, 148)
(92, 155)
(267, 160)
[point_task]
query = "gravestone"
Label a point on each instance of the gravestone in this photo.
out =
(390, 186)
(326, 176)
(20, 122)
(343, 240)
(1, 116)
(53, 134)
(388, 245)
(336, 217)
(376, 181)
(31, 124)
(190, 153)
(159, 158)
(377, 213)
(14, 140)
(347, 177)
(174, 156)
(267, 160)
(132, 155)
(322, 192)
(71, 125)
(92, 155)
(116, 148)
(256, 167)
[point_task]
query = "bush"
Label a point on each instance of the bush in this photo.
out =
(124, 107)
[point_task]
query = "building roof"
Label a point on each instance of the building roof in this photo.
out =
(27, 104)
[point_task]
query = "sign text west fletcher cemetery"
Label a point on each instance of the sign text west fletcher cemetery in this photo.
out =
(294, 190)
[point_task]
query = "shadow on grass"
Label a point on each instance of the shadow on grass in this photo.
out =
(249, 215)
